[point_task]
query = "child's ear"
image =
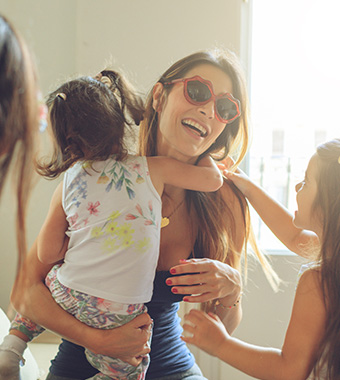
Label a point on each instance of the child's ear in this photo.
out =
(157, 96)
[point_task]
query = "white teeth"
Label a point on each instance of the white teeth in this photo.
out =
(196, 126)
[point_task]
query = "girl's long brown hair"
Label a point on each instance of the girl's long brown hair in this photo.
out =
(216, 223)
(327, 204)
(18, 121)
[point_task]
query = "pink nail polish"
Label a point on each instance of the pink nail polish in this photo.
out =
(185, 299)
(173, 271)
(168, 282)
(174, 290)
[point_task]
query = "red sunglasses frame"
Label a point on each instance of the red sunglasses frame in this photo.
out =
(212, 97)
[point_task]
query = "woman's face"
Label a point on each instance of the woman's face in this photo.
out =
(187, 130)
(305, 217)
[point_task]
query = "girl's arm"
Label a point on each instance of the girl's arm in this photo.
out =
(274, 215)
(296, 358)
(52, 241)
(31, 298)
(202, 177)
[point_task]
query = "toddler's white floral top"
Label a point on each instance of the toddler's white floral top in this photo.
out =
(114, 216)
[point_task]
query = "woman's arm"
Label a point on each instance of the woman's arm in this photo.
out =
(52, 241)
(202, 177)
(213, 279)
(274, 215)
(31, 298)
(296, 358)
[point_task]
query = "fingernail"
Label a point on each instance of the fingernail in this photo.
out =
(173, 271)
(183, 261)
(185, 299)
(168, 282)
(174, 290)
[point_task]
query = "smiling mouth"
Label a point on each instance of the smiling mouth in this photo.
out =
(197, 128)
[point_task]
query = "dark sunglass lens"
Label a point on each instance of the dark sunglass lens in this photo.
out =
(198, 92)
(226, 109)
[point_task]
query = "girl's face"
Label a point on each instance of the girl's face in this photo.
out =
(187, 130)
(305, 217)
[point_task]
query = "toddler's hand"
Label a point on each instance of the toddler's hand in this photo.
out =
(239, 179)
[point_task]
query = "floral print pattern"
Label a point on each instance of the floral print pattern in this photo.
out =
(118, 236)
(95, 312)
(117, 175)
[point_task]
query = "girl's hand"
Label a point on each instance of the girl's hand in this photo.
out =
(133, 339)
(205, 331)
(236, 175)
(204, 280)
(240, 179)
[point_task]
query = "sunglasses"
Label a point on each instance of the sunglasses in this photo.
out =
(199, 91)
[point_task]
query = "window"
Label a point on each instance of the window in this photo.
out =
(295, 93)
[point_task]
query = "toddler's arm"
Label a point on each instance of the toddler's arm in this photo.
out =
(202, 177)
(274, 215)
(52, 241)
(296, 358)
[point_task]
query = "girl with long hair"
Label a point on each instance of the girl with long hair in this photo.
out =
(312, 343)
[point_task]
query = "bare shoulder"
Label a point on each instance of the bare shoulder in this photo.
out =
(309, 302)
(309, 294)
(310, 281)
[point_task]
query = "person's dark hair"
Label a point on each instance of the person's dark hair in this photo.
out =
(327, 205)
(18, 120)
(89, 117)
(216, 231)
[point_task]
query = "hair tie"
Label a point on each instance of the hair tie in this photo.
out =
(61, 95)
(106, 80)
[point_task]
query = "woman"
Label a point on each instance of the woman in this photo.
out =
(189, 113)
(18, 120)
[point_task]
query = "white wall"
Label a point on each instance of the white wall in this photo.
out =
(142, 37)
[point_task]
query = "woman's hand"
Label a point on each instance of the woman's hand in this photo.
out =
(203, 280)
(205, 331)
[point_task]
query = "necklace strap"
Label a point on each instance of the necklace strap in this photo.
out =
(166, 219)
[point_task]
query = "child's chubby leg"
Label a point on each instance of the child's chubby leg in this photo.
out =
(12, 348)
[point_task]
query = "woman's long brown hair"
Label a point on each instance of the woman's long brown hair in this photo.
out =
(18, 121)
(327, 204)
(216, 223)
